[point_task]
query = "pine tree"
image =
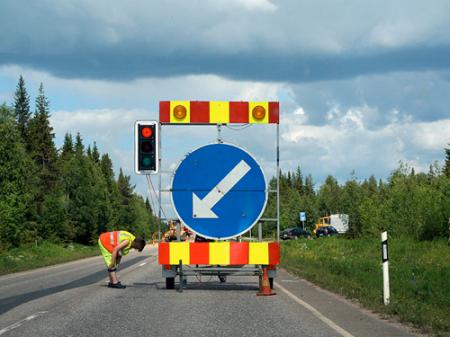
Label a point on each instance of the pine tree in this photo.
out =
(22, 108)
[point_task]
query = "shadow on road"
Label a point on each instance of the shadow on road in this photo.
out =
(210, 285)
(9, 303)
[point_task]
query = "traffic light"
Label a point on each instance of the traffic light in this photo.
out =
(146, 147)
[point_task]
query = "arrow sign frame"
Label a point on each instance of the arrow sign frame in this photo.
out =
(219, 191)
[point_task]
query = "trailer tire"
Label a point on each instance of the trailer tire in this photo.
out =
(170, 282)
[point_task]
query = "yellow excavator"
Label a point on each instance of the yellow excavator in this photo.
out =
(338, 221)
(324, 221)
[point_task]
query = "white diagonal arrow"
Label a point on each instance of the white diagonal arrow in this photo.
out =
(201, 208)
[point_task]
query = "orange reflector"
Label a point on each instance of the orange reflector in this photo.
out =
(167, 267)
(179, 112)
(258, 112)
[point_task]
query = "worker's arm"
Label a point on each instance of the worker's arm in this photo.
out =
(115, 253)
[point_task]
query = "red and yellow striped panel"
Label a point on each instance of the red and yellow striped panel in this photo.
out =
(221, 253)
(204, 112)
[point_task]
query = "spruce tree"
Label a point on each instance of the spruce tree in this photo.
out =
(113, 191)
(79, 147)
(95, 154)
(447, 162)
(22, 108)
(89, 152)
(329, 196)
(126, 217)
(49, 196)
(148, 206)
(68, 148)
(7, 114)
(84, 194)
(298, 180)
(17, 178)
(309, 185)
(42, 147)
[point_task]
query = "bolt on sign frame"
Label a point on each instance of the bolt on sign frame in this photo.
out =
(174, 255)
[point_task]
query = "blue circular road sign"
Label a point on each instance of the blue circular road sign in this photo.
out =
(219, 191)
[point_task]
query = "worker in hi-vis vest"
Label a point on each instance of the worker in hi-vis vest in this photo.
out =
(113, 246)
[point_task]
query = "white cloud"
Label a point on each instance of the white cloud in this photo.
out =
(107, 125)
(299, 111)
(348, 144)
(143, 93)
(251, 5)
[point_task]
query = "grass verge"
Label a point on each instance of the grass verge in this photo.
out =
(45, 254)
(419, 275)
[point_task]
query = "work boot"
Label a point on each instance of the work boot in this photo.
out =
(117, 285)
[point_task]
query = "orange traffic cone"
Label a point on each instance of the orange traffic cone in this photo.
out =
(265, 285)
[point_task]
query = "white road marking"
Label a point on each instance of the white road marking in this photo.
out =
(142, 264)
(315, 312)
(19, 323)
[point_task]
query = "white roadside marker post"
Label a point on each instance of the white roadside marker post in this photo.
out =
(385, 259)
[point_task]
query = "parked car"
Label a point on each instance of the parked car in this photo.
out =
(295, 233)
(326, 231)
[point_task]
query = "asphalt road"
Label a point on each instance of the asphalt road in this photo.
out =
(72, 300)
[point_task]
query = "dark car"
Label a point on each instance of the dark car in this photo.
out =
(295, 233)
(326, 231)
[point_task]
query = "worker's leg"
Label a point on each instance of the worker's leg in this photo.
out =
(112, 276)
(107, 258)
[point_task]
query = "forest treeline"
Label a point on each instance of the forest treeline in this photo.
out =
(72, 193)
(67, 194)
(408, 203)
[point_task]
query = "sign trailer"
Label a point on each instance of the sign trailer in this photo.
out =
(219, 192)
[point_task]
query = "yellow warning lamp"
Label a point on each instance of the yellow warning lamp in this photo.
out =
(258, 112)
(179, 112)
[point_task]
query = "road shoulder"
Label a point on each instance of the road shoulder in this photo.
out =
(346, 314)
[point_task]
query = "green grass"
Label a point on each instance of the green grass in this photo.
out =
(45, 254)
(419, 275)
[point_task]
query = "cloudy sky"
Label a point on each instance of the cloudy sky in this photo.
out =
(362, 84)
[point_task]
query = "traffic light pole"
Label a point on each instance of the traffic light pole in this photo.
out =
(159, 185)
(278, 182)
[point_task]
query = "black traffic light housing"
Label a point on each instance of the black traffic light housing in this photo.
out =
(146, 152)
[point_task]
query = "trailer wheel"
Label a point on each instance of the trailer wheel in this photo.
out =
(271, 282)
(170, 282)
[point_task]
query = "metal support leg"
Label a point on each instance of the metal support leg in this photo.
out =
(180, 288)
